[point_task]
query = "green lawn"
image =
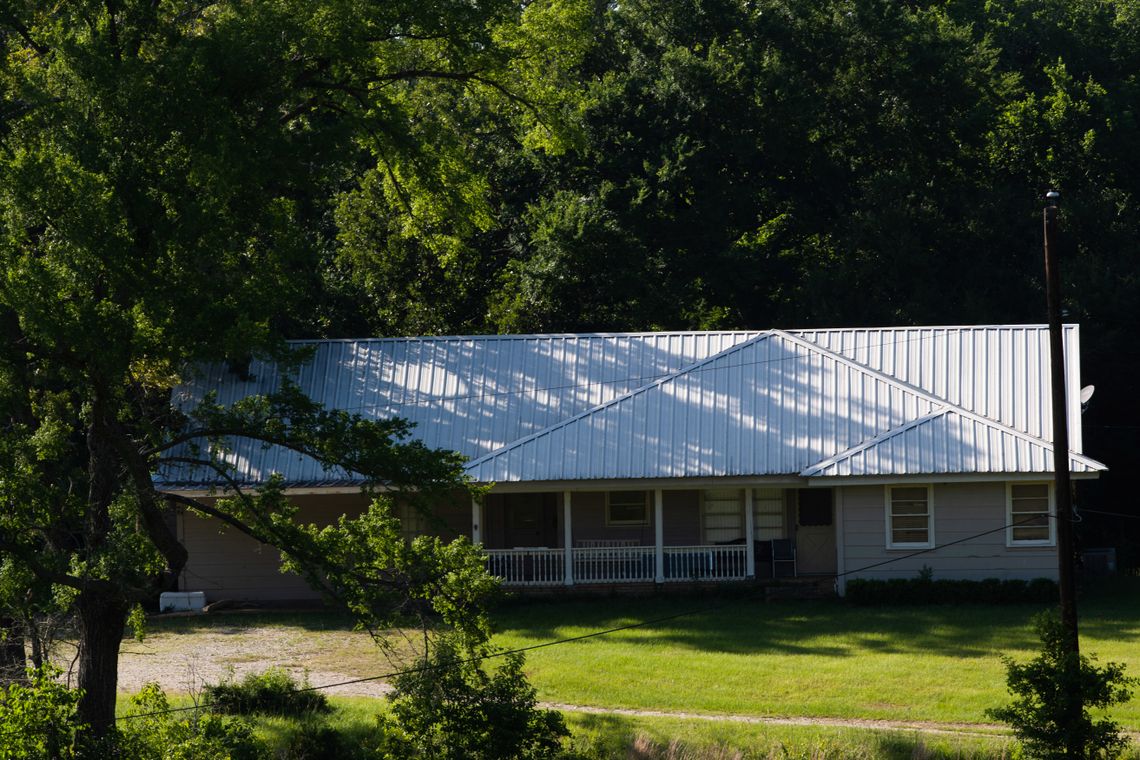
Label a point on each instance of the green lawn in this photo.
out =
(817, 658)
(795, 659)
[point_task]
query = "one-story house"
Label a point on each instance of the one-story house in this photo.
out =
(657, 458)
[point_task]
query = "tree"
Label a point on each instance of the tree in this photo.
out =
(1041, 713)
(168, 172)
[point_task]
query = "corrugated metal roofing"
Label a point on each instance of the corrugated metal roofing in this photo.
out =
(1000, 372)
(671, 405)
(947, 442)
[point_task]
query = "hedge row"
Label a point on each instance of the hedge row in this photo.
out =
(928, 591)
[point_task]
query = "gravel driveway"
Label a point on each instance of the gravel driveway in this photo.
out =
(182, 662)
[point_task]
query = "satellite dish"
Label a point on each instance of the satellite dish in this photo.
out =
(1086, 394)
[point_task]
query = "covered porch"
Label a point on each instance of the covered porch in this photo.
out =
(655, 536)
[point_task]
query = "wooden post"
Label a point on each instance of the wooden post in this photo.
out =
(749, 536)
(659, 533)
(476, 521)
(1061, 484)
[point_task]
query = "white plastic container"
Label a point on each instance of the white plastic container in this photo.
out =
(181, 601)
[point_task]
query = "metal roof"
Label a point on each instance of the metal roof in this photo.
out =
(815, 403)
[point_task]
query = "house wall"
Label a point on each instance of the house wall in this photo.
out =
(227, 564)
(961, 510)
(680, 510)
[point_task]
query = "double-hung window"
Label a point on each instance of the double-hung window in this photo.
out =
(627, 508)
(910, 517)
(1028, 508)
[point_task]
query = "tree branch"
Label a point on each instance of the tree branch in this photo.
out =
(25, 34)
(217, 514)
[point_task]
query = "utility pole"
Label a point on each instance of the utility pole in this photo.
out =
(1062, 489)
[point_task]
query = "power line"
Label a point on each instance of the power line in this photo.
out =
(480, 658)
(595, 634)
(1110, 514)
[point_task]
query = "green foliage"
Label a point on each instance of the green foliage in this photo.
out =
(170, 177)
(383, 579)
(1043, 713)
(150, 731)
(452, 708)
(273, 692)
(39, 720)
(927, 590)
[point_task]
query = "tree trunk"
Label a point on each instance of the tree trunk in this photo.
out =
(102, 620)
(13, 662)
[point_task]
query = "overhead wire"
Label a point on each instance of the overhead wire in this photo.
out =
(597, 633)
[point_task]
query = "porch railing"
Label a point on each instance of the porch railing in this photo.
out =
(527, 567)
(705, 563)
(618, 564)
(614, 564)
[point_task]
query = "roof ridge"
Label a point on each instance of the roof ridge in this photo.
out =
(927, 395)
(522, 336)
(617, 399)
(813, 470)
(886, 435)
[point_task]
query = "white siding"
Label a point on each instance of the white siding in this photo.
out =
(961, 511)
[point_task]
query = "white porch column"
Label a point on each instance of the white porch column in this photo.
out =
(840, 546)
(476, 521)
(749, 534)
(568, 539)
(659, 533)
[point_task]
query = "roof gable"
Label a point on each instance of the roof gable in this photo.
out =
(811, 403)
(947, 441)
(773, 405)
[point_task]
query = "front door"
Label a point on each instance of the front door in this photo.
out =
(530, 519)
(815, 532)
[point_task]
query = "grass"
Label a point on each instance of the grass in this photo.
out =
(650, 738)
(797, 659)
(622, 736)
(817, 659)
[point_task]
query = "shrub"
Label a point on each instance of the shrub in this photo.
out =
(924, 590)
(273, 692)
(312, 740)
(151, 731)
(453, 709)
(39, 719)
(1042, 713)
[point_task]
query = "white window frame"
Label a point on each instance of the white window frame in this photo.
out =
(644, 521)
(1050, 506)
(889, 513)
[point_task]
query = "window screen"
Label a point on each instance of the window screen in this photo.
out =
(769, 519)
(722, 516)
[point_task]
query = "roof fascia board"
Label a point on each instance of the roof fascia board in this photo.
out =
(676, 484)
(221, 492)
(987, 477)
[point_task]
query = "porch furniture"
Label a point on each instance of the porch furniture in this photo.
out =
(783, 558)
